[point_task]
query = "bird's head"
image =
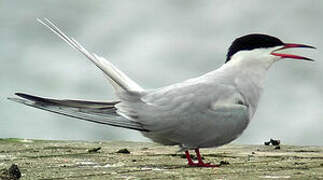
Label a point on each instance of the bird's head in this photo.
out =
(261, 49)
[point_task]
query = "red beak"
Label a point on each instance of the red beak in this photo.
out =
(289, 45)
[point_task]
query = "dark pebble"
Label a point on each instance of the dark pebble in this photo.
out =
(12, 173)
(224, 163)
(94, 150)
(123, 151)
(275, 142)
(267, 143)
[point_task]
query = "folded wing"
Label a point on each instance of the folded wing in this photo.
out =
(98, 112)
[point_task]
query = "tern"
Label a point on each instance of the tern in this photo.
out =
(207, 111)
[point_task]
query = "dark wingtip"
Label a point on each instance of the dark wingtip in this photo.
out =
(19, 94)
(30, 97)
(23, 95)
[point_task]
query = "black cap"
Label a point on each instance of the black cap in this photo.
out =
(252, 41)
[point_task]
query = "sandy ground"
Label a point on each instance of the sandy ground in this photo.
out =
(40, 159)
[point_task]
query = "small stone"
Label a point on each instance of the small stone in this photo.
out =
(14, 172)
(275, 142)
(224, 163)
(123, 151)
(94, 150)
(277, 147)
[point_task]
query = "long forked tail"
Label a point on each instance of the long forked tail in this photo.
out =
(98, 112)
(117, 78)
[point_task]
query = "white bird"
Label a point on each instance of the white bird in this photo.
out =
(206, 111)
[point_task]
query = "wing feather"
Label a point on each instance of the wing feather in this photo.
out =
(117, 78)
(98, 112)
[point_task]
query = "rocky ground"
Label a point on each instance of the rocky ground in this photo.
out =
(40, 159)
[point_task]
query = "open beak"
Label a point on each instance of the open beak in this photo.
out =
(290, 45)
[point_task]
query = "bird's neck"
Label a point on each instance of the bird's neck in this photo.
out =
(249, 80)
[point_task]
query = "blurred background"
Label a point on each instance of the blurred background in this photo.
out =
(156, 43)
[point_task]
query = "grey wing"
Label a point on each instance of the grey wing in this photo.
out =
(196, 114)
(98, 112)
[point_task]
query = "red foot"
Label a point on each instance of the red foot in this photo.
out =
(200, 163)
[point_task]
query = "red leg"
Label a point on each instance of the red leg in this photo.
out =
(200, 163)
(189, 159)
